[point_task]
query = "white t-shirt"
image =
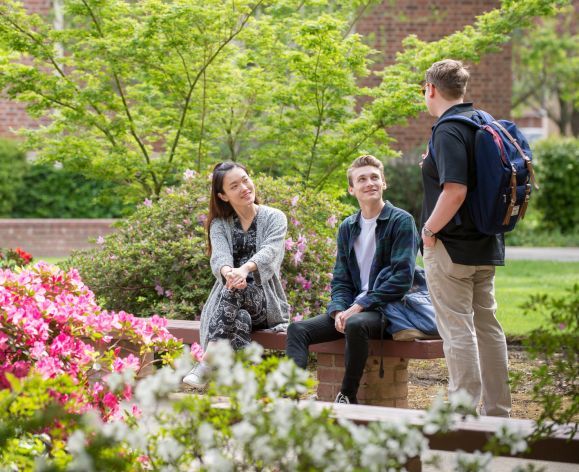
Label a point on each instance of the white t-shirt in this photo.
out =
(365, 247)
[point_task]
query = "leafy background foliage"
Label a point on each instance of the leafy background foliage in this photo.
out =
(558, 199)
(148, 89)
(12, 168)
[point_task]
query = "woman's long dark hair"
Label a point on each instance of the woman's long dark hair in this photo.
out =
(217, 207)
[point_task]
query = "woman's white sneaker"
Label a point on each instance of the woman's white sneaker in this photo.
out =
(197, 378)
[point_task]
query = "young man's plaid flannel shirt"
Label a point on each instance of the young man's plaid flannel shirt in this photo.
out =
(392, 269)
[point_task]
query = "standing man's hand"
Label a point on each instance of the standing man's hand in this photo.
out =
(343, 316)
(428, 237)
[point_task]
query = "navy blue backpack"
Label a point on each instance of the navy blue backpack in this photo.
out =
(503, 169)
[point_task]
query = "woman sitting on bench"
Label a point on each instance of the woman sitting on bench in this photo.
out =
(246, 246)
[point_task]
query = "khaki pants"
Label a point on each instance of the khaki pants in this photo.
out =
(475, 346)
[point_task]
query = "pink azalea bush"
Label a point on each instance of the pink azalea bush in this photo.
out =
(52, 326)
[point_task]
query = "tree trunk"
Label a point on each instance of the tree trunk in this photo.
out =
(575, 123)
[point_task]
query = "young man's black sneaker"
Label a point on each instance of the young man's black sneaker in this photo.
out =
(341, 398)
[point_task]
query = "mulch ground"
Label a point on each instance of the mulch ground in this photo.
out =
(428, 378)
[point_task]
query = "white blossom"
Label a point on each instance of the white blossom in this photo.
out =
(373, 457)
(243, 431)
(215, 461)
(253, 353)
(206, 435)
(514, 438)
(183, 363)
(76, 447)
(169, 449)
(461, 399)
(262, 449)
(476, 461)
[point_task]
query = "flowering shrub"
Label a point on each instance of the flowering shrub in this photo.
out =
(52, 326)
(556, 344)
(11, 258)
(156, 262)
(261, 427)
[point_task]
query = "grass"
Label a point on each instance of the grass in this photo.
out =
(518, 280)
(50, 260)
(515, 283)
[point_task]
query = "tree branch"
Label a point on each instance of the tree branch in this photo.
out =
(123, 98)
(201, 71)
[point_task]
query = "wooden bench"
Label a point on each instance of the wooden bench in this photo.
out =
(392, 390)
(469, 435)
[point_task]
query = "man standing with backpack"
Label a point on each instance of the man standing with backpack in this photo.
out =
(459, 259)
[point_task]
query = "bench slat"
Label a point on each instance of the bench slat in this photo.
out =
(188, 331)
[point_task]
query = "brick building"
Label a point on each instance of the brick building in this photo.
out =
(385, 26)
(392, 21)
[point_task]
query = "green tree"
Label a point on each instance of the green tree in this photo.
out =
(146, 89)
(12, 168)
(546, 68)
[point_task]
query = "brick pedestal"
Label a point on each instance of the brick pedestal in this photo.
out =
(391, 390)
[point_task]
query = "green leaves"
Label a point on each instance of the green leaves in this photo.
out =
(146, 89)
(558, 166)
(546, 66)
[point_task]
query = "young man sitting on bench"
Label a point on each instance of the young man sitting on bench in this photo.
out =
(375, 266)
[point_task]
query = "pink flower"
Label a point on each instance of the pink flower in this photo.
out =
(305, 283)
(201, 218)
(196, 352)
(331, 221)
(127, 392)
(298, 317)
(295, 222)
(294, 201)
(111, 401)
(129, 362)
(100, 240)
(289, 244)
(301, 243)
(160, 290)
(168, 293)
(137, 412)
(188, 175)
(147, 203)
(297, 258)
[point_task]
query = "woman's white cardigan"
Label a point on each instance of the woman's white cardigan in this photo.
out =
(271, 227)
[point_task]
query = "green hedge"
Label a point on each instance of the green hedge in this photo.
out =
(558, 172)
(156, 261)
(404, 179)
(50, 192)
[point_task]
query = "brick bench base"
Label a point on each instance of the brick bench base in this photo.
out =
(392, 390)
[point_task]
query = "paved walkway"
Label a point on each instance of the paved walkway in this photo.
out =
(565, 254)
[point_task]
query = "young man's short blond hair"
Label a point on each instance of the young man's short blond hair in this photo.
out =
(449, 77)
(365, 160)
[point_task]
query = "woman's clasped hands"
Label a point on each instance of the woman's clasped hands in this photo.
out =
(236, 278)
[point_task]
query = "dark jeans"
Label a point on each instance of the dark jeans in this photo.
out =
(320, 329)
